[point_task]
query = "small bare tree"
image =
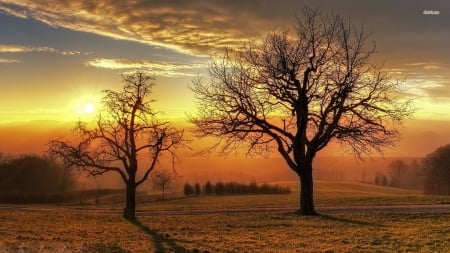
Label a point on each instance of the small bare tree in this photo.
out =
(126, 130)
(297, 92)
(163, 179)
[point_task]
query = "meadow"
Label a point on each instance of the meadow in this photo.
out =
(100, 228)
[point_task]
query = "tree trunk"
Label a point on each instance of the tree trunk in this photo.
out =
(306, 193)
(130, 208)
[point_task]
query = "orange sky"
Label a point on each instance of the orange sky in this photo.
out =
(57, 56)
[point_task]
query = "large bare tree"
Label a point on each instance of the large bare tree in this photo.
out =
(126, 138)
(296, 92)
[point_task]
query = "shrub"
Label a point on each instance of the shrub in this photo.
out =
(234, 188)
(197, 189)
(188, 189)
(208, 188)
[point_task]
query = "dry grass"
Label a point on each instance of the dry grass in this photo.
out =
(284, 232)
(326, 194)
(69, 231)
(82, 231)
(63, 229)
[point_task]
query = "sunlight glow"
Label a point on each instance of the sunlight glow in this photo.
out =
(89, 108)
(86, 106)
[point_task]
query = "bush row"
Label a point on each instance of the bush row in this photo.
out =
(233, 188)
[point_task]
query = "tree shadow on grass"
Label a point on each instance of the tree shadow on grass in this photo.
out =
(348, 221)
(162, 243)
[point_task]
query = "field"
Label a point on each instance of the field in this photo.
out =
(102, 229)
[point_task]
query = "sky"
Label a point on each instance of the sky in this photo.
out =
(56, 56)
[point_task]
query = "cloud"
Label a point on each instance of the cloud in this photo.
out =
(13, 11)
(75, 52)
(425, 79)
(22, 49)
(156, 68)
(8, 61)
(186, 26)
(424, 65)
(25, 49)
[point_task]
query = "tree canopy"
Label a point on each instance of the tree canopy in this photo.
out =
(296, 91)
(126, 137)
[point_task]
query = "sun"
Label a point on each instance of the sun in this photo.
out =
(89, 108)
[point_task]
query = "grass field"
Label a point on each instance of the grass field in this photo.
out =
(326, 194)
(63, 229)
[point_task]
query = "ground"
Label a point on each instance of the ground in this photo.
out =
(240, 229)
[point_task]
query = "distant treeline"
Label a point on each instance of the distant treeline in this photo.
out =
(33, 173)
(77, 197)
(233, 188)
(33, 179)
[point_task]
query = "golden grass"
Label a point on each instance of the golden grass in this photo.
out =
(94, 231)
(326, 194)
(66, 229)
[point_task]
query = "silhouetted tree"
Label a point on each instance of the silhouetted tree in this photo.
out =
(163, 179)
(297, 92)
(208, 188)
(384, 180)
(197, 189)
(437, 171)
(126, 129)
(219, 188)
(188, 189)
(377, 180)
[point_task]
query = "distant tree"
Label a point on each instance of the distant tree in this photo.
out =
(253, 187)
(219, 188)
(188, 189)
(162, 180)
(437, 171)
(3, 159)
(417, 169)
(297, 92)
(384, 180)
(127, 129)
(208, 188)
(197, 189)
(398, 170)
(377, 180)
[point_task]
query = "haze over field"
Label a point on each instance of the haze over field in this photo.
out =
(57, 56)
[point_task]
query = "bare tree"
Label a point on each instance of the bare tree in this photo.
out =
(126, 129)
(163, 179)
(436, 166)
(297, 92)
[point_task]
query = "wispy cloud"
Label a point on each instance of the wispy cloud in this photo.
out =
(13, 11)
(22, 49)
(75, 52)
(8, 61)
(424, 65)
(425, 79)
(9, 48)
(187, 26)
(156, 68)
